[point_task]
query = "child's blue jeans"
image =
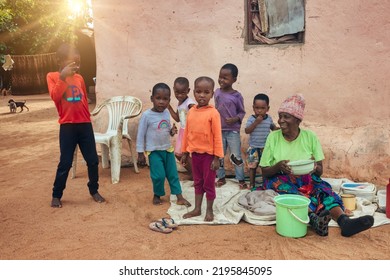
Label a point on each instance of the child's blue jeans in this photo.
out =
(232, 140)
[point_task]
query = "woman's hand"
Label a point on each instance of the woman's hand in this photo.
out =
(282, 167)
(318, 168)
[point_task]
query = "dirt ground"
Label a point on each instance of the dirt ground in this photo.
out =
(30, 229)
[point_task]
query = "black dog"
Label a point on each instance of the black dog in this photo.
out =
(13, 105)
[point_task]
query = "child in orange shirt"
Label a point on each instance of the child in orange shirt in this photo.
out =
(203, 140)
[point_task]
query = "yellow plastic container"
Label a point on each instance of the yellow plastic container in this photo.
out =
(349, 201)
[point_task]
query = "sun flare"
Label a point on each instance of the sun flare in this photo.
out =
(76, 7)
(80, 9)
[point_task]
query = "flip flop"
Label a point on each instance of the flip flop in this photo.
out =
(159, 227)
(168, 223)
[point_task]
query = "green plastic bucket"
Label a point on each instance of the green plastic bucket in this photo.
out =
(292, 215)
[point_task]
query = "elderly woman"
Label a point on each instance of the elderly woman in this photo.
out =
(292, 143)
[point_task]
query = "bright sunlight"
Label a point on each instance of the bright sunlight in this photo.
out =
(76, 7)
(80, 8)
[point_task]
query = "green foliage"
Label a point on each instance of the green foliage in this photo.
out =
(38, 26)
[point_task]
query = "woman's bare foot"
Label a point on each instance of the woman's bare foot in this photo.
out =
(98, 198)
(193, 213)
(348, 212)
(157, 200)
(209, 216)
(56, 203)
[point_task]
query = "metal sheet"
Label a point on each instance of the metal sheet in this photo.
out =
(285, 17)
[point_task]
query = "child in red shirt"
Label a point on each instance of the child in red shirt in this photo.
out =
(67, 90)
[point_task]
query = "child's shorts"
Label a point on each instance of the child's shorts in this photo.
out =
(253, 156)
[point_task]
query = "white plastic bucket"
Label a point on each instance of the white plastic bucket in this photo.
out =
(363, 190)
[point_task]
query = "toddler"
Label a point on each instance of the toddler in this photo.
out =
(258, 126)
(230, 104)
(153, 138)
(203, 140)
(181, 88)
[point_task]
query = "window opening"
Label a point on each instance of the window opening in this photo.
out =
(275, 21)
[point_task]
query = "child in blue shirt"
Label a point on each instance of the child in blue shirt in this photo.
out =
(258, 126)
(153, 139)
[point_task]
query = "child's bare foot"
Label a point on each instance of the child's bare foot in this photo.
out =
(184, 202)
(157, 200)
(193, 213)
(220, 182)
(209, 216)
(56, 203)
(98, 198)
(242, 185)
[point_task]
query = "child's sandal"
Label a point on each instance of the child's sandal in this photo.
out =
(168, 223)
(159, 227)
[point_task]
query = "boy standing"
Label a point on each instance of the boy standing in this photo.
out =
(230, 104)
(203, 140)
(258, 126)
(153, 138)
(67, 90)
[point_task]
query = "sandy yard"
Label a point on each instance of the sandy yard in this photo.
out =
(82, 229)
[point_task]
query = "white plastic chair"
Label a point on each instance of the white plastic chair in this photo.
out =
(120, 109)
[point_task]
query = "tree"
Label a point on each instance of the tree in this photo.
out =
(38, 26)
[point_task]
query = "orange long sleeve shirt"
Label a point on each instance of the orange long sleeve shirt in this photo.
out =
(70, 98)
(203, 133)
